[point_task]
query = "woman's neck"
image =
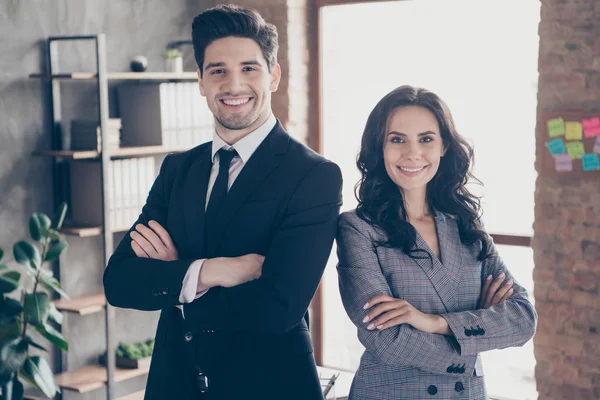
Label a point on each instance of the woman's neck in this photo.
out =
(415, 203)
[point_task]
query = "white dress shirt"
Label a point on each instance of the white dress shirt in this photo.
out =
(245, 147)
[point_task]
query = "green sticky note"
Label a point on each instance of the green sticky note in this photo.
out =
(575, 149)
(590, 162)
(556, 127)
(556, 146)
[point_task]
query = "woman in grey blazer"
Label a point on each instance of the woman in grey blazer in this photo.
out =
(418, 275)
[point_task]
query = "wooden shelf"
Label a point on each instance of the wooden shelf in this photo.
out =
(123, 76)
(82, 231)
(134, 396)
(119, 153)
(93, 377)
(83, 305)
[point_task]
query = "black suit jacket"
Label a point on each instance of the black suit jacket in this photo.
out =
(251, 339)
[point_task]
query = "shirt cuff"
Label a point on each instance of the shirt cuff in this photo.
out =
(190, 283)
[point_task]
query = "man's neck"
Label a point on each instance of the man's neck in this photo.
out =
(232, 136)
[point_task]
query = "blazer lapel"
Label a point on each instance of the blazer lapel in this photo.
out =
(262, 163)
(445, 274)
(194, 202)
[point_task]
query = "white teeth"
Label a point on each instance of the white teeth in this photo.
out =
(236, 102)
(411, 169)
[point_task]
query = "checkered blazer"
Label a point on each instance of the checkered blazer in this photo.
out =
(403, 362)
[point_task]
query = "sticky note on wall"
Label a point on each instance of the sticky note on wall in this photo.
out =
(590, 162)
(556, 127)
(574, 131)
(597, 145)
(575, 149)
(556, 146)
(591, 127)
(563, 163)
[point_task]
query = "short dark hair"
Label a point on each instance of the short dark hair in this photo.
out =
(230, 20)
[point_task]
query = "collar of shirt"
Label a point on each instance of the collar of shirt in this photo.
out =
(246, 146)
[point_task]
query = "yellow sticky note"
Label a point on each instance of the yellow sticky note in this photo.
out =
(574, 130)
(575, 149)
(556, 127)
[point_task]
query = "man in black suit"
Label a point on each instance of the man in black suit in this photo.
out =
(235, 235)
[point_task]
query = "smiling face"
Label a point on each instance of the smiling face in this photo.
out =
(412, 148)
(237, 84)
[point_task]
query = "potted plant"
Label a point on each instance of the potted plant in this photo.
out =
(173, 60)
(25, 303)
(137, 355)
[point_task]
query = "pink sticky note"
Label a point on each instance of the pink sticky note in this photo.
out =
(591, 132)
(597, 145)
(564, 163)
(591, 127)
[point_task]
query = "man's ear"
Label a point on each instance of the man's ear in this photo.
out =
(275, 77)
(200, 85)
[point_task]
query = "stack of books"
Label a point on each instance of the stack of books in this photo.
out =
(86, 134)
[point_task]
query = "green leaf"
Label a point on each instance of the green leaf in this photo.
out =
(27, 254)
(55, 315)
(9, 308)
(55, 249)
(33, 343)
(9, 331)
(52, 284)
(59, 216)
(12, 355)
(1, 254)
(53, 335)
(9, 281)
(37, 371)
(36, 307)
(38, 225)
(54, 235)
(12, 390)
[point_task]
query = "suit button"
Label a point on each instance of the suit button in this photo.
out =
(165, 291)
(188, 336)
(481, 330)
(459, 387)
(468, 332)
(461, 370)
(450, 369)
(432, 390)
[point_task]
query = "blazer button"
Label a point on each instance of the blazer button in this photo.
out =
(165, 291)
(432, 390)
(450, 369)
(188, 336)
(461, 370)
(459, 387)
(481, 330)
(468, 332)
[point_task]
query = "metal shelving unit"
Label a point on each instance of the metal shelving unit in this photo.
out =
(93, 376)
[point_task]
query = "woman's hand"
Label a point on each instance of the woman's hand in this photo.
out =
(389, 312)
(494, 291)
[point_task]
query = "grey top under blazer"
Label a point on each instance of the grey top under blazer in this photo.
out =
(402, 362)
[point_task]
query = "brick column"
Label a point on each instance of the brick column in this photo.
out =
(566, 243)
(290, 102)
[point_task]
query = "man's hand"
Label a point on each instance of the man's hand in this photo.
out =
(154, 242)
(229, 272)
(493, 291)
(389, 312)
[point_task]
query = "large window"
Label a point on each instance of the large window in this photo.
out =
(481, 57)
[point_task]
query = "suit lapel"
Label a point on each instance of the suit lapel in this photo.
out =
(194, 201)
(265, 159)
(444, 275)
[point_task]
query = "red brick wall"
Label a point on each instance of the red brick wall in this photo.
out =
(566, 242)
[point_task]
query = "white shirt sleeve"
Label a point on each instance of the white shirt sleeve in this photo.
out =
(190, 283)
